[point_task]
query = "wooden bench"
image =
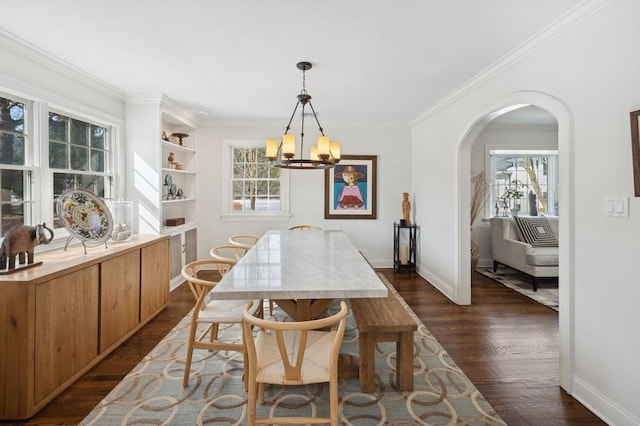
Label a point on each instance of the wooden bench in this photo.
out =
(384, 320)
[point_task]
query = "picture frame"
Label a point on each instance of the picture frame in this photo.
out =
(350, 188)
(635, 150)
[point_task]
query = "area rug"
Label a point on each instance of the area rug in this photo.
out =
(547, 293)
(152, 392)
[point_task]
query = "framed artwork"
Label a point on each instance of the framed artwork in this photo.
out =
(635, 150)
(350, 188)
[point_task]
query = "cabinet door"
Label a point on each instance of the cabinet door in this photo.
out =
(176, 259)
(119, 297)
(191, 245)
(16, 348)
(154, 288)
(183, 249)
(66, 328)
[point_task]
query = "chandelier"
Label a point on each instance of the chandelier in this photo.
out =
(324, 155)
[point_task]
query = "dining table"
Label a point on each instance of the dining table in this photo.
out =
(303, 272)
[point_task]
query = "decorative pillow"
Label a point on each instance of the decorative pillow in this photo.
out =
(536, 231)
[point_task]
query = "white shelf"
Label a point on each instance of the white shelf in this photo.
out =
(186, 172)
(177, 147)
(182, 200)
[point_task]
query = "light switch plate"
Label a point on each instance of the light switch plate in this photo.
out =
(616, 206)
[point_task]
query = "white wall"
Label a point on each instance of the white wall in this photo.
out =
(504, 137)
(374, 237)
(593, 71)
(29, 73)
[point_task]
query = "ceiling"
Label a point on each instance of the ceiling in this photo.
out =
(382, 61)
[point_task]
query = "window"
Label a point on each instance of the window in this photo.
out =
(255, 187)
(516, 174)
(78, 157)
(45, 152)
(15, 175)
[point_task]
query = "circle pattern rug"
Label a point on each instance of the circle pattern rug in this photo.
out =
(152, 392)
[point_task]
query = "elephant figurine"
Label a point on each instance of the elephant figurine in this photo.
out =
(20, 240)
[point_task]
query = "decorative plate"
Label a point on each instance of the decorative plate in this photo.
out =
(172, 189)
(85, 215)
(168, 180)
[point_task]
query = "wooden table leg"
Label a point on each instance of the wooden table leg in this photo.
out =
(303, 309)
(289, 306)
(318, 306)
(366, 342)
(404, 361)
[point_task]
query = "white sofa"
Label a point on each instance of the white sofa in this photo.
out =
(510, 250)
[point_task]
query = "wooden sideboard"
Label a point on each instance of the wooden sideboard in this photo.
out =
(61, 318)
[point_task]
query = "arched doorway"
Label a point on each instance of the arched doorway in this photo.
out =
(565, 280)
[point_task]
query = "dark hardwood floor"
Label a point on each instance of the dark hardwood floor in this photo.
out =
(505, 343)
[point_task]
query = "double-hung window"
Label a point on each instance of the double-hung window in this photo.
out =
(15, 165)
(79, 156)
(254, 188)
(519, 177)
(44, 152)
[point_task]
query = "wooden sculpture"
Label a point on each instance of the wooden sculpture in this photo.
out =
(22, 240)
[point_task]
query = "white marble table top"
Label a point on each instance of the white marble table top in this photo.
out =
(301, 265)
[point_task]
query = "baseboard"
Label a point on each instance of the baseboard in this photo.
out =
(444, 287)
(601, 406)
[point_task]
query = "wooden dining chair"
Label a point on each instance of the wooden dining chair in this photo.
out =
(292, 353)
(229, 251)
(247, 241)
(305, 228)
(211, 313)
(244, 239)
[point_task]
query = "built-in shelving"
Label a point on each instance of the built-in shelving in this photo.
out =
(149, 120)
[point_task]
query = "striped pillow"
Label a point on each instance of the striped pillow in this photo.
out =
(536, 231)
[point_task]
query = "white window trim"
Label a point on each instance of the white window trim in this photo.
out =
(227, 214)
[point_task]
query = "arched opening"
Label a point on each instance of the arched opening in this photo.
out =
(565, 279)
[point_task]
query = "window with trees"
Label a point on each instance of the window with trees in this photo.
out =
(255, 190)
(15, 173)
(45, 152)
(256, 185)
(522, 179)
(78, 157)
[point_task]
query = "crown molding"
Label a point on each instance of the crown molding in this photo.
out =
(38, 55)
(549, 33)
(164, 104)
(144, 99)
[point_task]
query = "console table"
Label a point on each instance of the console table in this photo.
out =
(61, 318)
(404, 247)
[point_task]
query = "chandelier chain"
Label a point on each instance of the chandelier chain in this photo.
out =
(304, 82)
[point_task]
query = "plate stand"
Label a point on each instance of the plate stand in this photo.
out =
(84, 244)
